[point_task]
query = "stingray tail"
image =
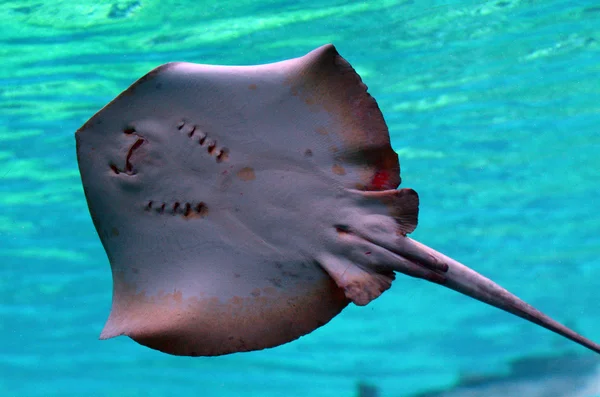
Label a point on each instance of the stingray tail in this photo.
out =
(468, 282)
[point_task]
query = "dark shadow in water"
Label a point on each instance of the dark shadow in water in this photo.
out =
(531, 377)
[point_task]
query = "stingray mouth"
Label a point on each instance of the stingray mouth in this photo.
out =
(128, 169)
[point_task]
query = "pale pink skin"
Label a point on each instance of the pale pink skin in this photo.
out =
(243, 207)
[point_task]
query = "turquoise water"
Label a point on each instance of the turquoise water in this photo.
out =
(493, 107)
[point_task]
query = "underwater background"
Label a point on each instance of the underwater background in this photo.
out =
(493, 108)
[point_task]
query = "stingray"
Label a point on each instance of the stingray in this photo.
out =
(242, 207)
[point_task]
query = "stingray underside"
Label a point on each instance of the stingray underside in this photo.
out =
(223, 196)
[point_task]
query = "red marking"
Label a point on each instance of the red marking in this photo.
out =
(368, 253)
(380, 180)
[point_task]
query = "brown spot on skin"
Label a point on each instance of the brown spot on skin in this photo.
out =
(252, 86)
(246, 174)
(321, 130)
(338, 169)
(333, 149)
(308, 153)
(114, 231)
